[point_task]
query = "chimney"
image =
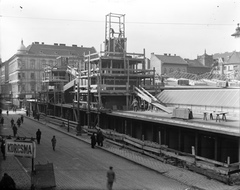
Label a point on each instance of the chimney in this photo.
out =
(36, 42)
(74, 45)
(165, 54)
(56, 44)
(62, 44)
(174, 54)
(169, 54)
(42, 43)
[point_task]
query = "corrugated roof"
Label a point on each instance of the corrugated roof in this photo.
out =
(171, 59)
(202, 97)
(59, 50)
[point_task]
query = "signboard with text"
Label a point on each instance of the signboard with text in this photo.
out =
(21, 148)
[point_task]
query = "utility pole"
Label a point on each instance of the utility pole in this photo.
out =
(88, 99)
(79, 129)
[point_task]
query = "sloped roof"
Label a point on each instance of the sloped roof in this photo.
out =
(171, 59)
(59, 50)
(194, 63)
(202, 97)
(234, 59)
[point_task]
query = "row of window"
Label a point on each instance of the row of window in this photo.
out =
(23, 65)
(170, 70)
(22, 87)
(22, 76)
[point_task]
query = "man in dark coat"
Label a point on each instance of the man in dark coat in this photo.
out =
(111, 177)
(100, 138)
(38, 136)
(3, 149)
(93, 140)
(22, 118)
(7, 183)
(14, 130)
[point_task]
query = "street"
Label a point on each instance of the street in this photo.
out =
(78, 166)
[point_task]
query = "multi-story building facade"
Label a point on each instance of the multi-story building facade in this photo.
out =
(25, 69)
(167, 63)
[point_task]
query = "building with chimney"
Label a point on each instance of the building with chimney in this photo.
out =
(24, 70)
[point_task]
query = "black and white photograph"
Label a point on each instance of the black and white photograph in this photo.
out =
(120, 95)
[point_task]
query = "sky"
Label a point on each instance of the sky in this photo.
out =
(183, 27)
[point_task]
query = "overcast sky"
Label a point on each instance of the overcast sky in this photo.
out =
(182, 27)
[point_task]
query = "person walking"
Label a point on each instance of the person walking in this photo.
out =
(19, 122)
(22, 118)
(14, 128)
(111, 177)
(7, 183)
(100, 138)
(54, 141)
(12, 122)
(7, 112)
(93, 140)
(38, 136)
(3, 149)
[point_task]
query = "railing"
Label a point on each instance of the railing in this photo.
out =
(224, 172)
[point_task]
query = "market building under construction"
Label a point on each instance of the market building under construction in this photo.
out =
(97, 90)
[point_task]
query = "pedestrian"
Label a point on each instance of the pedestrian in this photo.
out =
(7, 183)
(93, 140)
(19, 122)
(54, 141)
(7, 112)
(100, 138)
(111, 177)
(27, 112)
(38, 136)
(38, 116)
(3, 149)
(14, 128)
(22, 118)
(135, 104)
(12, 122)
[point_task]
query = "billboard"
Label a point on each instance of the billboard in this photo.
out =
(21, 148)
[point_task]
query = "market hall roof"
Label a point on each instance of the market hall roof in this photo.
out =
(203, 97)
(173, 59)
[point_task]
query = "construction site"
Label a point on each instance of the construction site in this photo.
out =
(185, 119)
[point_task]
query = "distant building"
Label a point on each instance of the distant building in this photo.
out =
(167, 63)
(232, 66)
(24, 70)
(196, 67)
(205, 59)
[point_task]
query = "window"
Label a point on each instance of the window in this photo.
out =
(23, 75)
(19, 63)
(32, 86)
(43, 63)
(32, 64)
(23, 64)
(23, 87)
(32, 75)
(19, 75)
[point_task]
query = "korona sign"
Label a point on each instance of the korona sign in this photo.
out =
(21, 148)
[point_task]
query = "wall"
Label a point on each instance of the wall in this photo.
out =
(168, 68)
(155, 62)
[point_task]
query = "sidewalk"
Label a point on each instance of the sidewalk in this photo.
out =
(196, 181)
